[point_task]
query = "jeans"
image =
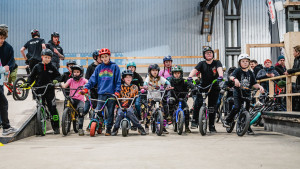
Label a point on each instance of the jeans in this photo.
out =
(110, 107)
(130, 115)
(238, 101)
(4, 109)
(138, 108)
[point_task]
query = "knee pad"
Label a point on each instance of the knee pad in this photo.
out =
(80, 111)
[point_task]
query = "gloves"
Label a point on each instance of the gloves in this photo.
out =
(117, 94)
(84, 91)
(55, 82)
(143, 91)
(220, 79)
(27, 62)
(190, 82)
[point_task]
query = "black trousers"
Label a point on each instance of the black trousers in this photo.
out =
(4, 109)
(238, 101)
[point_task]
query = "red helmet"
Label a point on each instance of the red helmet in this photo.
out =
(104, 51)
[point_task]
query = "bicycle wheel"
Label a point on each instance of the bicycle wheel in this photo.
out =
(202, 121)
(66, 121)
(124, 126)
(174, 123)
(159, 123)
(41, 121)
(75, 125)
(242, 123)
(18, 92)
(230, 129)
(93, 128)
(180, 122)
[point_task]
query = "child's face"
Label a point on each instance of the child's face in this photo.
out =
(76, 72)
(168, 63)
(177, 75)
(46, 59)
(253, 65)
(2, 39)
(132, 68)
(105, 58)
(127, 79)
(244, 63)
(99, 59)
(209, 55)
(69, 67)
(154, 72)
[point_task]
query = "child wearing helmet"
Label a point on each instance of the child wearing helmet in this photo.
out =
(210, 70)
(242, 77)
(44, 73)
(67, 75)
(155, 82)
(76, 81)
(90, 70)
(180, 85)
(166, 72)
(128, 90)
(108, 80)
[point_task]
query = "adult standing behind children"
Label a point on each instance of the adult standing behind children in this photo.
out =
(34, 47)
(107, 76)
(58, 53)
(210, 70)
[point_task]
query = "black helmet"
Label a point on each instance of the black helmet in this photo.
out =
(47, 52)
(34, 33)
(208, 48)
(73, 62)
(77, 67)
(95, 54)
(126, 72)
(54, 34)
(154, 66)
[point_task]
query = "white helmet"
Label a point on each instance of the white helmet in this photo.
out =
(243, 56)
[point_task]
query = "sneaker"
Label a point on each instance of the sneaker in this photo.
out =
(80, 132)
(165, 131)
(8, 93)
(114, 132)
(56, 131)
(142, 131)
(212, 129)
(226, 124)
(108, 132)
(9, 131)
(187, 130)
(193, 125)
(87, 129)
(134, 128)
(250, 131)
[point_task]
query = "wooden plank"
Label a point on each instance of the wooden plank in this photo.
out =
(289, 103)
(265, 45)
(271, 88)
(291, 94)
(208, 38)
(287, 4)
(206, 26)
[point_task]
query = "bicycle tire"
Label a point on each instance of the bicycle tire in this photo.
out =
(202, 121)
(76, 125)
(66, 121)
(124, 127)
(159, 123)
(180, 122)
(41, 121)
(93, 129)
(19, 93)
(242, 123)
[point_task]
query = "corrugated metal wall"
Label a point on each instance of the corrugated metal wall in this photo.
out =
(131, 27)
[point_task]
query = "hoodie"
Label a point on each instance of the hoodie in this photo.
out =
(257, 69)
(107, 77)
(280, 69)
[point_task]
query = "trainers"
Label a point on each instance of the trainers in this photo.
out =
(187, 130)
(8, 93)
(80, 132)
(114, 132)
(56, 131)
(250, 131)
(9, 131)
(133, 128)
(87, 129)
(193, 125)
(165, 131)
(142, 131)
(226, 124)
(212, 129)
(108, 132)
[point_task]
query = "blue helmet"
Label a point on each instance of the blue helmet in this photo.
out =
(166, 58)
(95, 54)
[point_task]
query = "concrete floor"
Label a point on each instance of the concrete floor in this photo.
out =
(221, 150)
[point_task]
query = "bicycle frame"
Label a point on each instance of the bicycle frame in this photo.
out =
(179, 103)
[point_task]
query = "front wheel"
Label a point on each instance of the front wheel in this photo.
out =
(66, 121)
(159, 123)
(93, 129)
(124, 127)
(243, 123)
(180, 122)
(202, 121)
(75, 125)
(41, 121)
(18, 92)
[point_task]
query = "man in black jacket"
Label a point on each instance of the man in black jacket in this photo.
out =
(280, 65)
(57, 50)
(255, 67)
(296, 68)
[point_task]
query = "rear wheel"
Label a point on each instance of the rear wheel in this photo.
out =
(180, 122)
(159, 123)
(124, 127)
(66, 121)
(18, 92)
(41, 121)
(93, 129)
(202, 121)
(242, 123)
